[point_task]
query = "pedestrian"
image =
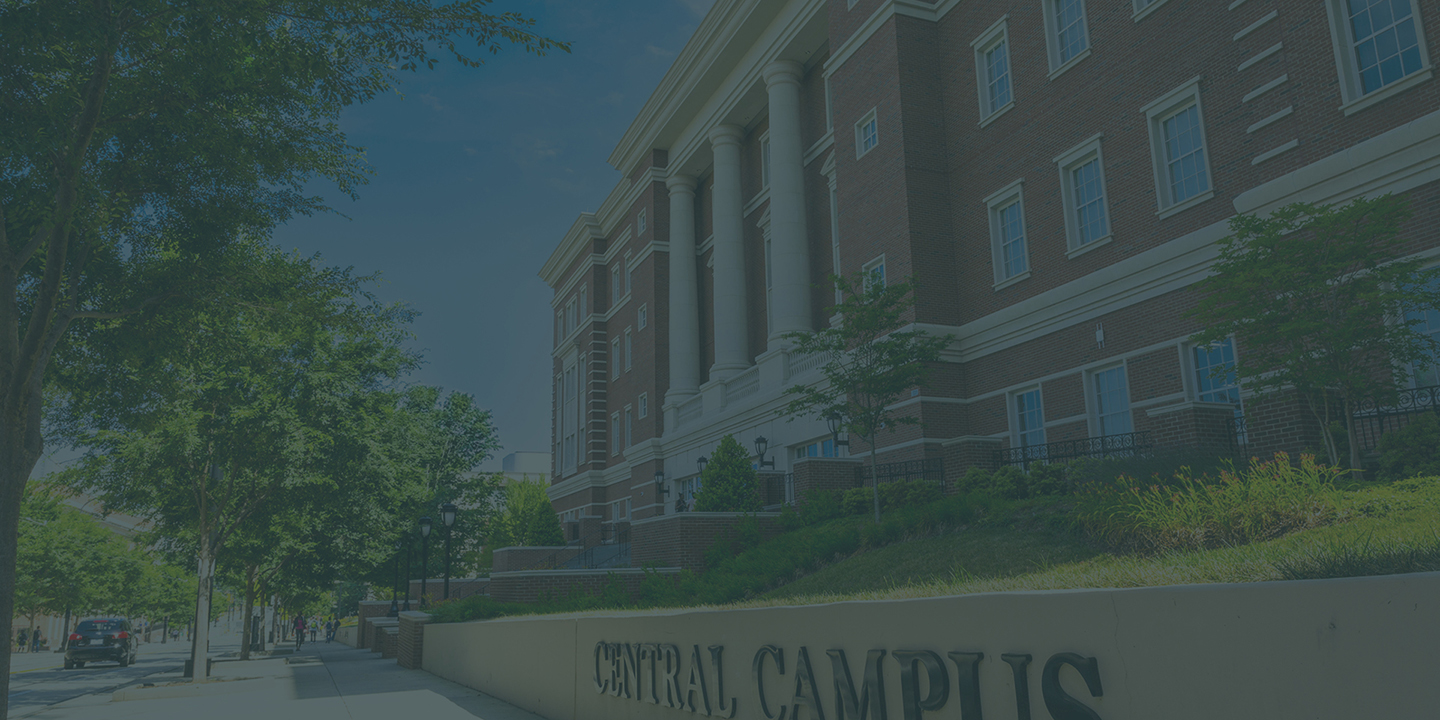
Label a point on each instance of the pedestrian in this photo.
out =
(37, 642)
(299, 631)
(314, 628)
(22, 640)
(330, 629)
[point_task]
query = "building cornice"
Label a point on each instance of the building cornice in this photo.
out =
(596, 226)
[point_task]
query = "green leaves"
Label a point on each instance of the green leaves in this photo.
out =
(1318, 301)
(527, 519)
(728, 483)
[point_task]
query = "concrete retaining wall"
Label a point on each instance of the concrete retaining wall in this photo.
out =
(348, 635)
(1320, 650)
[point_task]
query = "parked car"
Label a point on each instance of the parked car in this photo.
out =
(101, 639)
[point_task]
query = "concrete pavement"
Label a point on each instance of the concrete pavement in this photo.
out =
(323, 682)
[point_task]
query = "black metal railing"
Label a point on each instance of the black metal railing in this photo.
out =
(1239, 432)
(928, 469)
(778, 491)
(1373, 418)
(1130, 444)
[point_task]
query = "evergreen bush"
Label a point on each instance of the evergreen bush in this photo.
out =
(1411, 451)
(728, 483)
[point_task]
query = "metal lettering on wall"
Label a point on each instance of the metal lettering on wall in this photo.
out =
(694, 681)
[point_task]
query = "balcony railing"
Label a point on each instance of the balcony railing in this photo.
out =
(928, 469)
(1105, 446)
(1373, 418)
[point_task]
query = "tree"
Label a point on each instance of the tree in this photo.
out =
(872, 362)
(141, 136)
(728, 483)
(528, 518)
(201, 419)
(1317, 302)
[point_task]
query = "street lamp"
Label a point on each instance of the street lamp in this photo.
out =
(425, 523)
(761, 444)
(409, 546)
(447, 516)
(702, 462)
(834, 420)
(395, 585)
(660, 490)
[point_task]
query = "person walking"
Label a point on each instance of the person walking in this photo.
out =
(37, 641)
(314, 628)
(299, 631)
(330, 630)
(22, 640)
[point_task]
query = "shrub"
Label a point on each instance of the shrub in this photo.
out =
(976, 479)
(821, 506)
(1047, 479)
(857, 501)
(1008, 483)
(1411, 451)
(1267, 500)
(728, 483)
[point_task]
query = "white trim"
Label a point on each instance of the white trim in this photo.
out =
(1012, 194)
(1266, 121)
(1144, 12)
(1252, 27)
(1267, 52)
(1156, 113)
(1257, 92)
(860, 125)
(996, 34)
(992, 117)
(820, 146)
(1052, 38)
(1262, 157)
(1067, 162)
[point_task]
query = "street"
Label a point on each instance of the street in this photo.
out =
(38, 680)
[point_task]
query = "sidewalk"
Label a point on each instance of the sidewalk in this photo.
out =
(324, 682)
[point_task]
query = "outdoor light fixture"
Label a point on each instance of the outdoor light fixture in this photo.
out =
(702, 462)
(660, 490)
(425, 523)
(447, 516)
(834, 421)
(761, 444)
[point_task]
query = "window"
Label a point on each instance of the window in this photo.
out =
(629, 273)
(629, 348)
(1379, 45)
(992, 71)
(583, 307)
(629, 425)
(640, 222)
(559, 458)
(822, 448)
(644, 405)
(829, 107)
(615, 356)
(1007, 234)
(572, 316)
(1066, 38)
(1426, 372)
(642, 316)
(559, 326)
(1029, 418)
(1082, 185)
(867, 134)
(875, 272)
(1112, 401)
(569, 414)
(614, 433)
(616, 289)
(1145, 7)
(620, 510)
(1177, 146)
(765, 160)
(1209, 388)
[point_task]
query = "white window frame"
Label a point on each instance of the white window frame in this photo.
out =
(629, 350)
(640, 223)
(1156, 113)
(829, 107)
(583, 303)
(993, 36)
(1068, 162)
(642, 316)
(1352, 95)
(1143, 8)
(1092, 401)
(629, 425)
(644, 403)
(629, 271)
(870, 267)
(869, 119)
(1011, 194)
(615, 434)
(765, 160)
(615, 356)
(572, 315)
(1019, 434)
(616, 288)
(1052, 38)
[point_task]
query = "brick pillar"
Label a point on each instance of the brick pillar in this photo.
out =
(411, 652)
(369, 609)
(589, 526)
(967, 451)
(817, 473)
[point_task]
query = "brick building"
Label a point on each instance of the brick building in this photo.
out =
(1054, 174)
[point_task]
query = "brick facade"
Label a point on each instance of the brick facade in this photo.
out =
(410, 639)
(532, 585)
(1278, 127)
(369, 610)
(681, 539)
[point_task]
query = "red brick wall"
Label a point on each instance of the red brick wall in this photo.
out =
(369, 609)
(532, 586)
(680, 540)
(410, 648)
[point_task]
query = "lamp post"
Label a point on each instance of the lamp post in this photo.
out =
(395, 585)
(409, 546)
(660, 490)
(425, 523)
(761, 444)
(447, 516)
(835, 421)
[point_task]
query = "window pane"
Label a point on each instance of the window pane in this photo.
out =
(1030, 419)
(1112, 401)
(1089, 202)
(1012, 241)
(997, 73)
(1185, 155)
(1070, 28)
(1386, 46)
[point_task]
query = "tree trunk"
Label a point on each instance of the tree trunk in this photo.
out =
(874, 479)
(19, 451)
(1350, 438)
(206, 573)
(65, 632)
(246, 633)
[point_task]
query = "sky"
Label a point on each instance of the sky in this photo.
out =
(478, 174)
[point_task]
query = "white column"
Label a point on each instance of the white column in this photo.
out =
(684, 329)
(790, 250)
(731, 344)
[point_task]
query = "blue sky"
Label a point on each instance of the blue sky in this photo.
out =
(478, 174)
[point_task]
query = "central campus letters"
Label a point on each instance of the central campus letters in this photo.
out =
(655, 673)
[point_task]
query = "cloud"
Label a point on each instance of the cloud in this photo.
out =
(698, 7)
(658, 51)
(431, 101)
(471, 151)
(544, 150)
(614, 98)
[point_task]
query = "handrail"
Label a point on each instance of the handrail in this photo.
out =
(931, 469)
(552, 561)
(1119, 444)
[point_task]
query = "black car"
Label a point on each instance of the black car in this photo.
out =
(101, 639)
